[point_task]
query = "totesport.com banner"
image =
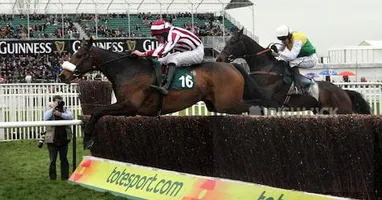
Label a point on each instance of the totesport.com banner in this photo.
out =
(138, 182)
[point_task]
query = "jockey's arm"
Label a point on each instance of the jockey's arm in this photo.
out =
(293, 53)
(163, 49)
(280, 48)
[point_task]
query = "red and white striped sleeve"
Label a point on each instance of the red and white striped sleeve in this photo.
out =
(166, 47)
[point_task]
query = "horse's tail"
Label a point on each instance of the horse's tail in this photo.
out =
(360, 105)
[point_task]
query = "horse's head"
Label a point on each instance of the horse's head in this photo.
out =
(80, 63)
(234, 48)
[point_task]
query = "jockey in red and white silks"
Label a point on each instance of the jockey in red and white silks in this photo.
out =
(178, 47)
(183, 46)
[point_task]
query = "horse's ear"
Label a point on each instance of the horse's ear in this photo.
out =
(83, 42)
(90, 42)
(241, 31)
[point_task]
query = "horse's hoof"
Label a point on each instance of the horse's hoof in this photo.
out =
(88, 144)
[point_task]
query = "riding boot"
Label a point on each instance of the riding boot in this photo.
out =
(170, 74)
(297, 81)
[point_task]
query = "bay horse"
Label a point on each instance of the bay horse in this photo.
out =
(221, 86)
(274, 76)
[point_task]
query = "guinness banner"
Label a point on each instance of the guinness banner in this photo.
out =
(63, 46)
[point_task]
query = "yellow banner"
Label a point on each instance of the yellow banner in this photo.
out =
(138, 182)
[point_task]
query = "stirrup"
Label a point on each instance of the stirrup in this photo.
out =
(161, 90)
(296, 91)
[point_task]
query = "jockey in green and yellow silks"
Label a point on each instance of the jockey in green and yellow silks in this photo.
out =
(297, 50)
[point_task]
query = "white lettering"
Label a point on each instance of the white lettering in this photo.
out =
(49, 48)
(3, 47)
(76, 46)
(149, 45)
(25, 48)
(120, 47)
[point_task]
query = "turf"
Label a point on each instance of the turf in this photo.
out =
(24, 174)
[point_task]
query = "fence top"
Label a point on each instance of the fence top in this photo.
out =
(49, 84)
(39, 123)
(358, 83)
(34, 84)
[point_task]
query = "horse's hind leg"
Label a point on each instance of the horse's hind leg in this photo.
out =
(121, 108)
(229, 100)
(335, 102)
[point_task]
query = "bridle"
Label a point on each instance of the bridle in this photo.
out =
(230, 58)
(89, 55)
(76, 72)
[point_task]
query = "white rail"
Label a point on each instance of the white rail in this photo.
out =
(23, 105)
(40, 123)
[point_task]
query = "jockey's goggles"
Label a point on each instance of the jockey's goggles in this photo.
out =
(282, 38)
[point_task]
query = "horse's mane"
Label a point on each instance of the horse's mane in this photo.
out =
(127, 54)
(253, 43)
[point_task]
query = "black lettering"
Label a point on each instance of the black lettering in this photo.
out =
(162, 190)
(154, 179)
(120, 176)
(148, 189)
(141, 182)
(175, 187)
(124, 178)
(262, 196)
(111, 174)
(155, 189)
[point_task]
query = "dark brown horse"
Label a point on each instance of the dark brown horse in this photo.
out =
(274, 76)
(222, 86)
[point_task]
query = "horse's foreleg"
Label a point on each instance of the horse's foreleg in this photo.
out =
(121, 108)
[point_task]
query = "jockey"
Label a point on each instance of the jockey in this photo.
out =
(297, 50)
(186, 49)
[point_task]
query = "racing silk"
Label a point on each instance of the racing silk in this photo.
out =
(299, 46)
(178, 39)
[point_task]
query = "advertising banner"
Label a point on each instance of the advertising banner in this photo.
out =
(50, 47)
(138, 182)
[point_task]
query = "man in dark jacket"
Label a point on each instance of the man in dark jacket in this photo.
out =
(58, 137)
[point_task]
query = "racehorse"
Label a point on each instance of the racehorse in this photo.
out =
(222, 86)
(274, 76)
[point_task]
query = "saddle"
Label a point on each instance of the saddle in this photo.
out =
(183, 78)
(288, 78)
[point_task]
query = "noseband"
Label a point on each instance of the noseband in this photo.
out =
(76, 72)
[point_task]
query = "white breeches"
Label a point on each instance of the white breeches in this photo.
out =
(304, 62)
(184, 58)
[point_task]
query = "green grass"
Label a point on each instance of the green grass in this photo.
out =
(24, 174)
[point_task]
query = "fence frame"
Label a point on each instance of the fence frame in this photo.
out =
(30, 128)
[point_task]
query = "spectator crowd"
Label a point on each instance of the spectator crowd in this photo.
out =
(45, 68)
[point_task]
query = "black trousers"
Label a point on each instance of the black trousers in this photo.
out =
(54, 150)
